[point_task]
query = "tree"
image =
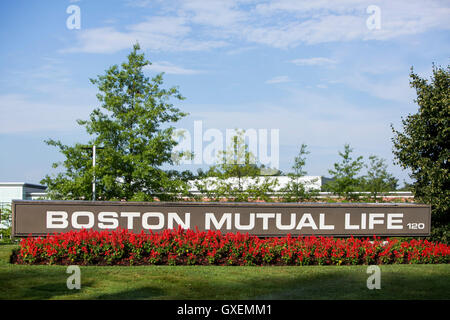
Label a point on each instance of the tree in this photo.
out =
(296, 190)
(237, 175)
(423, 146)
(378, 179)
(344, 181)
(236, 161)
(133, 125)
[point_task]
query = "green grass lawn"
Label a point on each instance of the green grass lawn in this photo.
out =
(216, 282)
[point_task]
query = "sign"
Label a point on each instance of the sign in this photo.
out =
(260, 219)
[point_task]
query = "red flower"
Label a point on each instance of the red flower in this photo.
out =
(189, 246)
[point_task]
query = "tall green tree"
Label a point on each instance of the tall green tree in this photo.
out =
(134, 126)
(423, 146)
(297, 190)
(237, 175)
(345, 181)
(378, 179)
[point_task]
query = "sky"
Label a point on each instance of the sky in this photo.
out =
(324, 73)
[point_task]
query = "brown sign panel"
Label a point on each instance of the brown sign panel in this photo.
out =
(261, 219)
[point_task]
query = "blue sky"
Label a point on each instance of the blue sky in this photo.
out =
(312, 69)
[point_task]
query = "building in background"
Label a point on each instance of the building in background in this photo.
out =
(310, 182)
(20, 191)
(28, 191)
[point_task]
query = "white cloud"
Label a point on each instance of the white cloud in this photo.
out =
(138, 3)
(240, 50)
(278, 79)
(169, 68)
(345, 20)
(22, 113)
(394, 88)
(195, 25)
(316, 61)
(311, 31)
(217, 13)
(156, 33)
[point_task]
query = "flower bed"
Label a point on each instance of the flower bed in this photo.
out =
(188, 247)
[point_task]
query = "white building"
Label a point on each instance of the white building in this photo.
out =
(20, 191)
(310, 182)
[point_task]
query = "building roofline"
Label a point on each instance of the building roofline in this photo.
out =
(23, 184)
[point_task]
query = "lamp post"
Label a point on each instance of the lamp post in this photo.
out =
(94, 149)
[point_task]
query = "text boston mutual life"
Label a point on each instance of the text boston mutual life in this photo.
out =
(261, 219)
